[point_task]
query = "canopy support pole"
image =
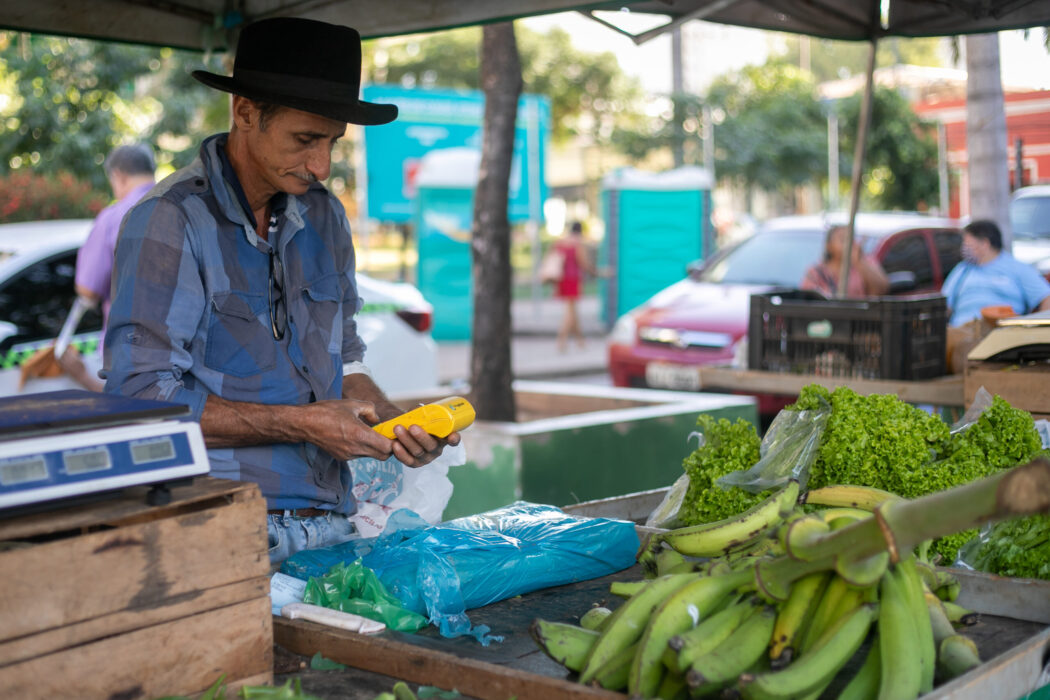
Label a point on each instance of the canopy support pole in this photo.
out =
(859, 151)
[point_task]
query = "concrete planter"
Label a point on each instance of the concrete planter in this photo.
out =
(576, 442)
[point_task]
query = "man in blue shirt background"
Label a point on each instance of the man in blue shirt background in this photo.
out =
(990, 277)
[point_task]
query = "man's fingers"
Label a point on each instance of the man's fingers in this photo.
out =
(367, 413)
(416, 447)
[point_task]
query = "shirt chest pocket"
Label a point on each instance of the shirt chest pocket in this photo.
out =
(322, 298)
(239, 344)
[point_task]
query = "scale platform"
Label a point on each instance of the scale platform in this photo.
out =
(1016, 339)
(61, 446)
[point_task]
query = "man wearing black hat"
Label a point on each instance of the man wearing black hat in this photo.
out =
(235, 291)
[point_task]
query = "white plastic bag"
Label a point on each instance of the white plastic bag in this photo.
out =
(382, 487)
(427, 489)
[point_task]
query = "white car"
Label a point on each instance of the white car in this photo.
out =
(37, 268)
(1030, 220)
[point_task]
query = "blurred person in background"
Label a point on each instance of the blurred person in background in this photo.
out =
(989, 276)
(130, 171)
(866, 276)
(575, 264)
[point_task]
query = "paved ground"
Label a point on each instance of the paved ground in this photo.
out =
(534, 351)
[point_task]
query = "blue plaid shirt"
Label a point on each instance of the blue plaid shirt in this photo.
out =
(191, 317)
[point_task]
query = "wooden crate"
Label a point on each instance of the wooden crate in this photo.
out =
(1025, 386)
(121, 599)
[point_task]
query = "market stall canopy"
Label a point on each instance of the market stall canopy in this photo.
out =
(208, 24)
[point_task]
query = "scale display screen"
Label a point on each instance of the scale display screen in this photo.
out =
(23, 471)
(152, 450)
(66, 447)
(84, 461)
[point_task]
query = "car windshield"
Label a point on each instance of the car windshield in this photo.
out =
(1030, 217)
(778, 258)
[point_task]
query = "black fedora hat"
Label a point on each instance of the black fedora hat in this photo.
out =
(304, 64)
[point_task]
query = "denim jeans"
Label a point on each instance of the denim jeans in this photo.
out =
(290, 533)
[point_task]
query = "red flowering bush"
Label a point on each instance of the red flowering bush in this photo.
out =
(25, 196)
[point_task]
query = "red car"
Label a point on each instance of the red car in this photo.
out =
(703, 319)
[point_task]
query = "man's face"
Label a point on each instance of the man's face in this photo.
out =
(294, 149)
(975, 248)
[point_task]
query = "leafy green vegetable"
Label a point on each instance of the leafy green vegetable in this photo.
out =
(288, 691)
(881, 441)
(320, 663)
(727, 447)
(428, 691)
(875, 440)
(1019, 548)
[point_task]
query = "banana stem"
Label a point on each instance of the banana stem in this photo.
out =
(900, 525)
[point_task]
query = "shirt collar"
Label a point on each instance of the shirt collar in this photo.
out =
(140, 191)
(277, 202)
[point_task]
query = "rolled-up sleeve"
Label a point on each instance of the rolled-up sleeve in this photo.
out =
(158, 304)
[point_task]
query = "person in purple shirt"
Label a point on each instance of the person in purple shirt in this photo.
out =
(130, 171)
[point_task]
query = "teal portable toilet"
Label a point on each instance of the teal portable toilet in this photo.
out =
(444, 214)
(655, 225)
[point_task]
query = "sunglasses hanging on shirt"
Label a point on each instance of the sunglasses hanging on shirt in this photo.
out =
(278, 308)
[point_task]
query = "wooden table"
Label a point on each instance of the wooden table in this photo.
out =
(942, 391)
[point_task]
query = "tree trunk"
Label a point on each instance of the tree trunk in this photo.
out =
(490, 365)
(986, 134)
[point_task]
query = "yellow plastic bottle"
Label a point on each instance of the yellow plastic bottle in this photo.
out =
(439, 418)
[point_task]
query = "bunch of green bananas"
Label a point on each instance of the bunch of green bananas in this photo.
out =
(769, 614)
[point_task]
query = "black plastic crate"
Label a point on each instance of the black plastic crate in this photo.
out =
(888, 338)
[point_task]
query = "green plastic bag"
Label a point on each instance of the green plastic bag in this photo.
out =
(354, 588)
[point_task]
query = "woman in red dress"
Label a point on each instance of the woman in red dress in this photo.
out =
(576, 262)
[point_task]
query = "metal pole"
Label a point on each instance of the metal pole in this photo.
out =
(533, 185)
(942, 167)
(677, 88)
(833, 161)
(709, 143)
(1019, 167)
(858, 169)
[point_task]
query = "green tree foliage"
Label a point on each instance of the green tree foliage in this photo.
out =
(589, 93)
(639, 136)
(901, 160)
(770, 130)
(832, 60)
(65, 102)
(444, 59)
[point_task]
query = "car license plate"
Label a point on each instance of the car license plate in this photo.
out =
(661, 375)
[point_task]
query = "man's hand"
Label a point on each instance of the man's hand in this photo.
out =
(73, 365)
(413, 447)
(343, 428)
(340, 427)
(416, 447)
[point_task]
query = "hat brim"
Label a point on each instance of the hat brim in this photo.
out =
(356, 112)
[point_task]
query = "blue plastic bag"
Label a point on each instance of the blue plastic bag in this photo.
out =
(444, 570)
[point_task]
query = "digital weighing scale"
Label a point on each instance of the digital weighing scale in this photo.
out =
(1016, 339)
(62, 446)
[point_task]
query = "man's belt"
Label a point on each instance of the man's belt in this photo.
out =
(300, 512)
